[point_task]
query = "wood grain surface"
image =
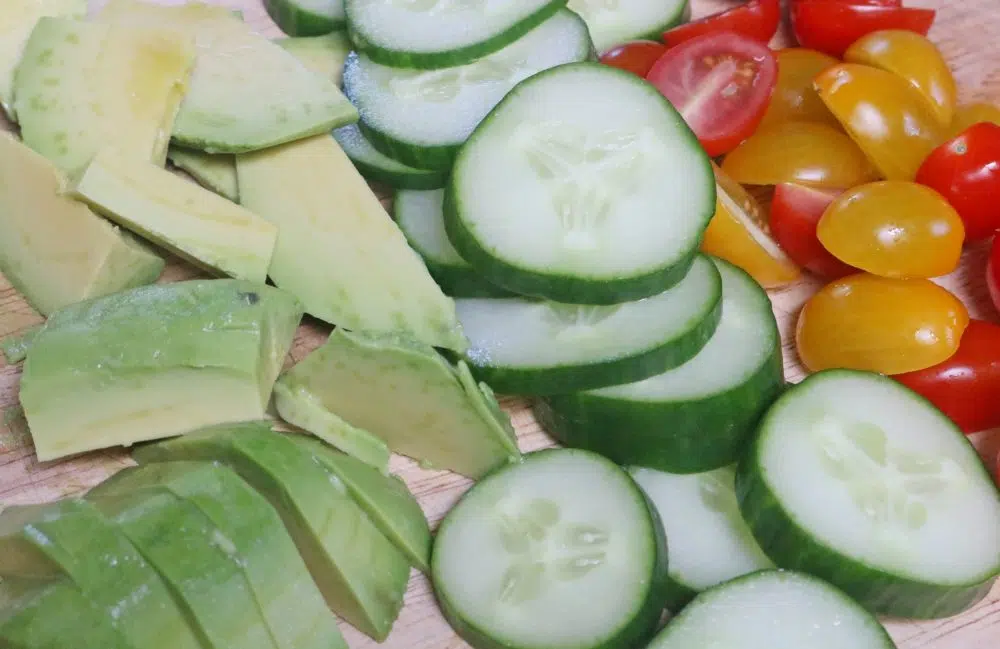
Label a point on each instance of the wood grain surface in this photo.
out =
(967, 31)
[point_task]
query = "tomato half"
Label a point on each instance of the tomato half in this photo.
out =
(831, 27)
(966, 171)
(636, 57)
(876, 3)
(993, 273)
(721, 84)
(795, 213)
(968, 114)
(795, 98)
(757, 19)
(965, 387)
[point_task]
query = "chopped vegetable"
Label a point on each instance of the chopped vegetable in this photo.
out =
(616, 22)
(832, 27)
(306, 17)
(993, 273)
(968, 114)
(795, 214)
(755, 19)
(378, 167)
(794, 98)
(636, 57)
(214, 171)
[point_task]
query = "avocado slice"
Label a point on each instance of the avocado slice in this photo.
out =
(15, 347)
(207, 230)
(71, 538)
(435, 417)
(82, 86)
(53, 249)
(246, 93)
(154, 362)
(56, 615)
(196, 561)
(293, 607)
(324, 55)
(360, 573)
(214, 171)
(339, 251)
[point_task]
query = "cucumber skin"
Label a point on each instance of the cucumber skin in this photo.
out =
(458, 282)
(432, 158)
(298, 22)
(423, 179)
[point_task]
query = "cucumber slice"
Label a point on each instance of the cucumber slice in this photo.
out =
(863, 483)
(709, 541)
(773, 609)
(524, 557)
(431, 34)
(696, 417)
(420, 215)
(617, 21)
(378, 167)
(421, 118)
(522, 346)
(306, 17)
(558, 194)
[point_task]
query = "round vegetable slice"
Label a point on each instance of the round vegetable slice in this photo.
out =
(860, 481)
(306, 17)
(615, 22)
(756, 19)
(378, 167)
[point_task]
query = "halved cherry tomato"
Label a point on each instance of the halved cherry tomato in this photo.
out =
(966, 386)
(757, 19)
(993, 273)
(874, 3)
(721, 84)
(794, 97)
(795, 213)
(811, 154)
(893, 229)
(968, 114)
(966, 171)
(914, 58)
(891, 123)
(636, 57)
(832, 27)
(879, 324)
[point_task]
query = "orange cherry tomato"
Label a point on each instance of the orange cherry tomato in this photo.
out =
(888, 119)
(879, 324)
(739, 234)
(914, 58)
(799, 152)
(968, 114)
(795, 98)
(893, 228)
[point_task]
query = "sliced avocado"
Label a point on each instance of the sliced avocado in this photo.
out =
(53, 249)
(385, 498)
(360, 573)
(246, 92)
(339, 251)
(56, 615)
(193, 223)
(215, 171)
(15, 347)
(154, 362)
(71, 538)
(324, 55)
(434, 417)
(82, 86)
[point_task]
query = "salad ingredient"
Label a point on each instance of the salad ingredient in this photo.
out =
(15, 346)
(214, 171)
(832, 27)
(795, 214)
(636, 57)
(55, 615)
(795, 99)
(306, 17)
(972, 113)
(324, 55)
(993, 273)
(626, 20)
(378, 167)
(754, 19)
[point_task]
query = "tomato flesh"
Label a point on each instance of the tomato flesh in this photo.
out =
(795, 213)
(832, 27)
(636, 57)
(993, 273)
(757, 19)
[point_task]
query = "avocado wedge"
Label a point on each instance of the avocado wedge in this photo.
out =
(214, 171)
(57, 616)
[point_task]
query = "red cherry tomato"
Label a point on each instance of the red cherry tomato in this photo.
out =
(993, 273)
(757, 19)
(875, 3)
(721, 84)
(795, 213)
(832, 27)
(636, 57)
(966, 171)
(966, 386)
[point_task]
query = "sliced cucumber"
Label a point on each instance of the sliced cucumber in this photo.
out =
(421, 117)
(773, 609)
(709, 541)
(559, 551)
(616, 21)
(376, 166)
(863, 483)
(430, 34)
(420, 215)
(521, 346)
(583, 186)
(306, 17)
(696, 417)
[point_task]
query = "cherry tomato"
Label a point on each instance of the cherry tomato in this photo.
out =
(965, 387)
(914, 58)
(875, 3)
(721, 84)
(832, 27)
(795, 213)
(879, 324)
(993, 273)
(739, 234)
(891, 123)
(636, 57)
(968, 114)
(757, 19)
(966, 171)
(794, 97)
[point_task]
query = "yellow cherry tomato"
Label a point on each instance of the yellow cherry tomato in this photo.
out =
(968, 114)
(794, 98)
(888, 119)
(915, 59)
(799, 152)
(893, 228)
(738, 233)
(879, 324)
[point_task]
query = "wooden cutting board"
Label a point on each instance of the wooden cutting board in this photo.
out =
(968, 33)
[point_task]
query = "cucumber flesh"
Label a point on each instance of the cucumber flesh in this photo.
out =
(858, 480)
(606, 209)
(378, 167)
(618, 21)
(523, 346)
(306, 17)
(522, 559)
